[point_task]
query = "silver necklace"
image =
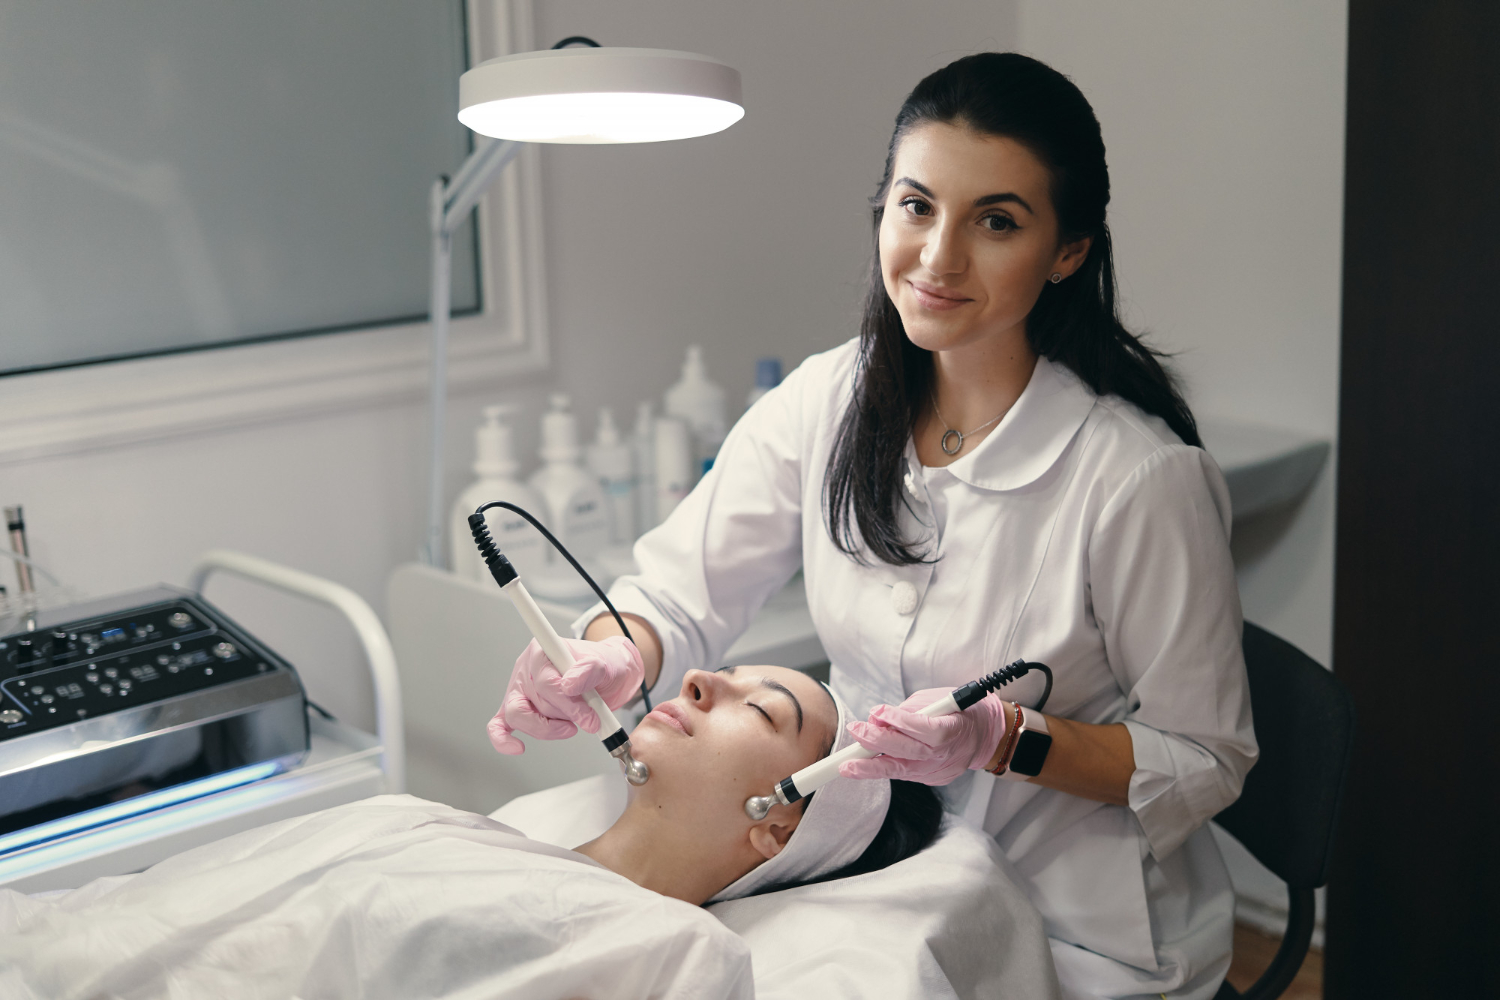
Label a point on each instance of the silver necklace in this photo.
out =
(957, 435)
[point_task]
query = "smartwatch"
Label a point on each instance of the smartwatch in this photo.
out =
(1033, 740)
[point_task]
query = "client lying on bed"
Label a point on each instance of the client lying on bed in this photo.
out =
(394, 896)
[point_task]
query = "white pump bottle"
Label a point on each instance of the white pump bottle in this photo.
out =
(576, 511)
(612, 461)
(496, 467)
(702, 404)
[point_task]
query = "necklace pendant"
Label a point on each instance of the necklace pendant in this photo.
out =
(958, 442)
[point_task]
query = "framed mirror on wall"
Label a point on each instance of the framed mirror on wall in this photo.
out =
(214, 212)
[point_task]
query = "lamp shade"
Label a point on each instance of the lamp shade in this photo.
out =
(600, 95)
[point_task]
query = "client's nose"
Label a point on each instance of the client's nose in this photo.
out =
(701, 687)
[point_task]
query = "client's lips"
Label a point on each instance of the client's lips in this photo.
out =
(671, 715)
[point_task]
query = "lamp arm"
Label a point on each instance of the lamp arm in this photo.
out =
(448, 204)
(490, 156)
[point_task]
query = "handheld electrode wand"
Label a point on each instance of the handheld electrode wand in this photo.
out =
(611, 733)
(816, 775)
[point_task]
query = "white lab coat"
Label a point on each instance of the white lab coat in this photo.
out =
(1081, 533)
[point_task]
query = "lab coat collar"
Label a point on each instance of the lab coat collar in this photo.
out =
(1032, 436)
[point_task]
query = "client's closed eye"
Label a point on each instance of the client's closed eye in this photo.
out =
(762, 711)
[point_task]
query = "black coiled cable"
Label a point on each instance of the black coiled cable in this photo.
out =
(975, 690)
(503, 572)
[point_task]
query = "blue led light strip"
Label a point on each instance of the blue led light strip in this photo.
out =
(185, 816)
(151, 801)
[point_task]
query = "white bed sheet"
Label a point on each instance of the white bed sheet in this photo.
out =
(949, 922)
(390, 896)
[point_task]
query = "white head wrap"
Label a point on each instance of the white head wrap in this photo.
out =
(837, 825)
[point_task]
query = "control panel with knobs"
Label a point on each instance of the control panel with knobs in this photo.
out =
(89, 668)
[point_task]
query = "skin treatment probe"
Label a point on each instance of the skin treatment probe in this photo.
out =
(611, 733)
(820, 773)
(15, 523)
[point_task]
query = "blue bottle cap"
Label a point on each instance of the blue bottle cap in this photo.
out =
(768, 373)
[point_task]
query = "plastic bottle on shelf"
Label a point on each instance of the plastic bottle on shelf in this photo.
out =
(767, 377)
(612, 461)
(674, 464)
(702, 404)
(643, 440)
(496, 466)
(574, 503)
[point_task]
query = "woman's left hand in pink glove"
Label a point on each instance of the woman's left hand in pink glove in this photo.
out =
(933, 750)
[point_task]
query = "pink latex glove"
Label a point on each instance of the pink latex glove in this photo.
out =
(934, 750)
(542, 704)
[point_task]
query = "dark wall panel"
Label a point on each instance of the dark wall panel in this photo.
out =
(1416, 885)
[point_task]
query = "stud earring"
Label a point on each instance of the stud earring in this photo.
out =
(1055, 277)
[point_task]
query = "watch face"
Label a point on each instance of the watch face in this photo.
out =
(1030, 753)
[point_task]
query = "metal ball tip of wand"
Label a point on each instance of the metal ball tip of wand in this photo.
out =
(785, 792)
(758, 806)
(636, 771)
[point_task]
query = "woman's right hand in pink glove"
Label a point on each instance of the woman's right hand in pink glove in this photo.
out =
(541, 703)
(931, 749)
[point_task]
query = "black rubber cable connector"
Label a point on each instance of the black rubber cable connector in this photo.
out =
(504, 572)
(975, 690)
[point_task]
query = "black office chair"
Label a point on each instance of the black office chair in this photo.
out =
(1304, 722)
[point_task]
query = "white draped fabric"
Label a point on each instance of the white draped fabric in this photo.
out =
(389, 897)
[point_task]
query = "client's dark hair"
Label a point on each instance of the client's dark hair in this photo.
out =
(911, 824)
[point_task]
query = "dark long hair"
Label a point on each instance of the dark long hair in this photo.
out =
(1075, 322)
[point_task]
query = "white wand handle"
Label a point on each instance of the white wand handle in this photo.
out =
(816, 775)
(557, 651)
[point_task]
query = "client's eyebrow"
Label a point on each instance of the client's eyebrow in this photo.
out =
(771, 685)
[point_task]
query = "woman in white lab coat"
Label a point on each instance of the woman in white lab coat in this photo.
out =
(996, 469)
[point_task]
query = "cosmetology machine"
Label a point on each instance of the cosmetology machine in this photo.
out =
(154, 687)
(137, 726)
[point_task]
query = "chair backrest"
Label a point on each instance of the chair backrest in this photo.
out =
(1304, 722)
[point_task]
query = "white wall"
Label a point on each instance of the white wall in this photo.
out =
(1224, 125)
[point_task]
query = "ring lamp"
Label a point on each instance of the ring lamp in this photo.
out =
(600, 95)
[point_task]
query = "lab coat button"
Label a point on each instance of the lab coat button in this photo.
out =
(904, 598)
